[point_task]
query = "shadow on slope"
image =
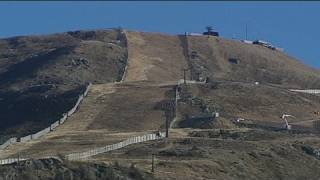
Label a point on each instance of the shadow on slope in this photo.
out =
(42, 76)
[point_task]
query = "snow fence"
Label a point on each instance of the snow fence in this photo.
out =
(96, 151)
(132, 140)
(8, 142)
(52, 126)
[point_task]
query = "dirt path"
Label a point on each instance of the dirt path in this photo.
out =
(154, 57)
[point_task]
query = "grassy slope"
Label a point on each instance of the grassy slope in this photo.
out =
(41, 76)
(109, 114)
(158, 57)
(154, 57)
(257, 63)
(255, 102)
(267, 155)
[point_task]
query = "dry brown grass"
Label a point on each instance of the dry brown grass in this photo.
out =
(154, 57)
(110, 114)
(257, 63)
(113, 112)
(41, 76)
(272, 155)
(258, 102)
(132, 108)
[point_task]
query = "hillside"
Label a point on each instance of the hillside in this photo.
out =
(154, 57)
(257, 103)
(135, 91)
(102, 120)
(226, 154)
(41, 76)
(57, 169)
(212, 57)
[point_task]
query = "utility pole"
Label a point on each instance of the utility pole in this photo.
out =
(246, 31)
(209, 30)
(167, 127)
(152, 165)
(19, 159)
(184, 76)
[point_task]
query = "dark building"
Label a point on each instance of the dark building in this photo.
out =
(211, 33)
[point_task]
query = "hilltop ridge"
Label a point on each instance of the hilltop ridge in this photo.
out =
(42, 74)
(226, 119)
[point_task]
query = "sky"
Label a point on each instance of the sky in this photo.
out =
(293, 26)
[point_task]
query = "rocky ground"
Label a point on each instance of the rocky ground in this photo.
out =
(60, 170)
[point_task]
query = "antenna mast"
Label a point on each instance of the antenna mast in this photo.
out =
(246, 31)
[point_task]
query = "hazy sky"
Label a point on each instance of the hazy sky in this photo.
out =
(292, 25)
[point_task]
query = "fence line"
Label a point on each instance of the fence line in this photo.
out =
(129, 141)
(63, 119)
(127, 64)
(51, 127)
(54, 125)
(25, 139)
(181, 81)
(172, 123)
(308, 91)
(86, 154)
(41, 133)
(8, 142)
(99, 150)
(11, 160)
